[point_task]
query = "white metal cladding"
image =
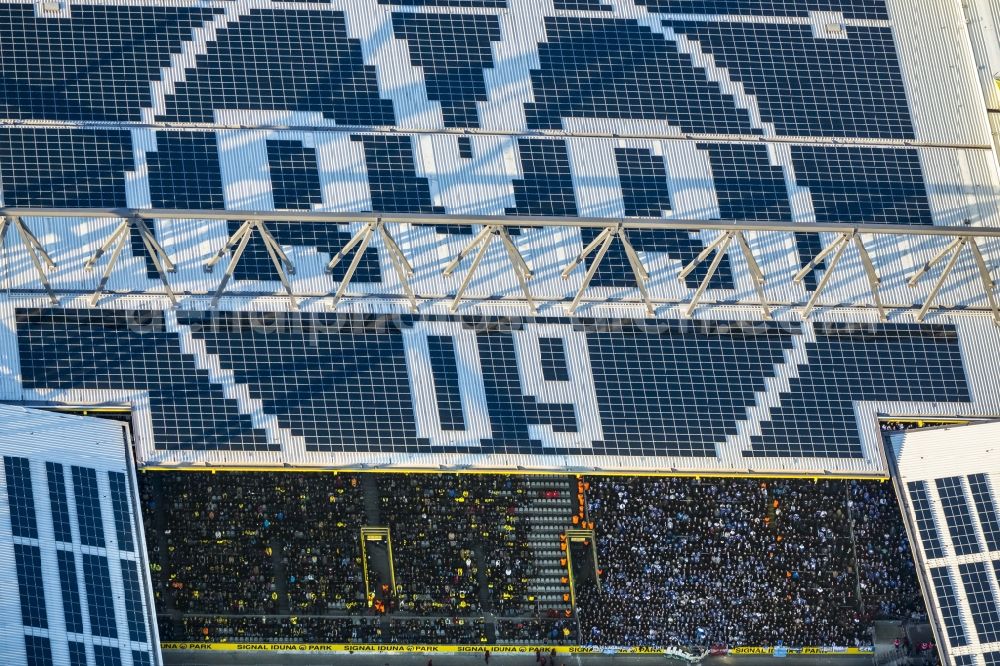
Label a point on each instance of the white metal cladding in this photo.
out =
(70, 440)
(916, 456)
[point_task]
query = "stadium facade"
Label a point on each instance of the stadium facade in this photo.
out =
(264, 134)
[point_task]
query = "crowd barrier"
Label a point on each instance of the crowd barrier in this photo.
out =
(500, 649)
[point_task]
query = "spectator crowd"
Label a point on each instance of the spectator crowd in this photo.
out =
(277, 557)
(744, 562)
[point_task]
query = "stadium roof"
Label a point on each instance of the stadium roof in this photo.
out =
(951, 505)
(73, 571)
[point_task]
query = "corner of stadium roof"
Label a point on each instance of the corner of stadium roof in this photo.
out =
(74, 575)
(947, 479)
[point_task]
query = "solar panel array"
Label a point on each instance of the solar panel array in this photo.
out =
(774, 110)
(639, 388)
(69, 551)
(952, 510)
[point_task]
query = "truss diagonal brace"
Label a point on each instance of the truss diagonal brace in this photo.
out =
(873, 277)
(359, 245)
(402, 266)
(481, 243)
(117, 240)
(602, 243)
(837, 248)
(361, 241)
(720, 245)
(984, 274)
(756, 274)
(239, 240)
(36, 251)
(956, 250)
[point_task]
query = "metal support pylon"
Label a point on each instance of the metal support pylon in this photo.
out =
(400, 264)
(117, 240)
(602, 243)
(36, 251)
(481, 243)
(239, 240)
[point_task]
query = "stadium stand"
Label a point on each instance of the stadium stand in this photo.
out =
(237, 559)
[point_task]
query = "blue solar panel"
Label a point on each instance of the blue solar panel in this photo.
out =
(70, 586)
(123, 352)
(88, 506)
(100, 600)
(583, 5)
(184, 171)
(547, 185)
(77, 654)
(656, 398)
(65, 167)
(982, 603)
(294, 175)
(986, 507)
(31, 585)
(59, 502)
(38, 650)
(312, 366)
(73, 69)
(344, 385)
(106, 655)
(393, 182)
(553, 358)
(134, 612)
(464, 147)
(444, 367)
(453, 50)
(286, 60)
(20, 497)
(510, 410)
(861, 9)
(808, 85)
(122, 509)
(850, 362)
(957, 515)
(863, 184)
(948, 603)
(595, 67)
(484, 4)
(925, 520)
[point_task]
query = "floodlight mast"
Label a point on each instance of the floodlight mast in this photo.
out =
(377, 226)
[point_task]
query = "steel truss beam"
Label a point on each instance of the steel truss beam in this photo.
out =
(481, 243)
(118, 239)
(239, 240)
(36, 251)
(497, 227)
